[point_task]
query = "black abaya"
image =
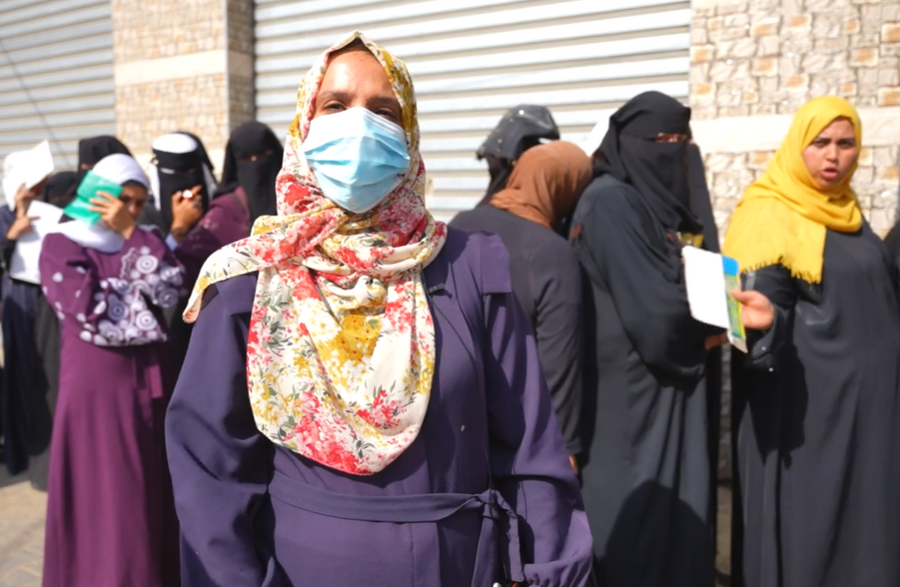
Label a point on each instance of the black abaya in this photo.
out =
(819, 446)
(646, 472)
(19, 304)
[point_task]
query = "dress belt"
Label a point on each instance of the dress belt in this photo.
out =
(407, 509)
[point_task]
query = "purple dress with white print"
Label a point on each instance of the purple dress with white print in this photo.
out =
(110, 517)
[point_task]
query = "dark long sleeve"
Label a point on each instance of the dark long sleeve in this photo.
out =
(7, 246)
(644, 276)
(220, 463)
(527, 455)
(776, 283)
(559, 334)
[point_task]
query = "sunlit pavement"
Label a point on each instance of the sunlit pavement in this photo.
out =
(22, 512)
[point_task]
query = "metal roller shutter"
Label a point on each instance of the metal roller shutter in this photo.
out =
(474, 59)
(56, 75)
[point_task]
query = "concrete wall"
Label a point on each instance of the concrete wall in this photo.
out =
(182, 65)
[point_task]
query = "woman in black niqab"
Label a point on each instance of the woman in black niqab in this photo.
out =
(91, 151)
(646, 468)
(252, 160)
(181, 164)
(640, 149)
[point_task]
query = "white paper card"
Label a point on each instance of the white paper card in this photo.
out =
(710, 278)
(24, 263)
(705, 286)
(29, 167)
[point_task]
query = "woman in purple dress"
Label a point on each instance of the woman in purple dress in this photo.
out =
(109, 517)
(362, 402)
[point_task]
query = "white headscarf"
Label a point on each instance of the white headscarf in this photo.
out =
(117, 168)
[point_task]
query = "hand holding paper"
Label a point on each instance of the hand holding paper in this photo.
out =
(42, 218)
(757, 311)
(29, 167)
(710, 279)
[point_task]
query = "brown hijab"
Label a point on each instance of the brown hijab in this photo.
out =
(546, 183)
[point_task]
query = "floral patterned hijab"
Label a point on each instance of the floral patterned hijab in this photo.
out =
(341, 351)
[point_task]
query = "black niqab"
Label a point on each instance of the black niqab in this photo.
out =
(202, 148)
(520, 129)
(60, 188)
(181, 171)
(659, 171)
(253, 160)
(92, 150)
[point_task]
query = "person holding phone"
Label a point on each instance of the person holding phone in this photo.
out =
(109, 516)
(200, 220)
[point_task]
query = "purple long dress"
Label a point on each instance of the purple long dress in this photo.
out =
(253, 514)
(109, 517)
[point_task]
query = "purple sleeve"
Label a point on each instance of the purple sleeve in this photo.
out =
(529, 461)
(223, 224)
(220, 463)
(112, 300)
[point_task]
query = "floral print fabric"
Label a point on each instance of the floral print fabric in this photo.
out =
(340, 354)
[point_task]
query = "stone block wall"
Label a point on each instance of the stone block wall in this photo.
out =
(753, 59)
(182, 65)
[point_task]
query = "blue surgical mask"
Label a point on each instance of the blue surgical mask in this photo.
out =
(358, 157)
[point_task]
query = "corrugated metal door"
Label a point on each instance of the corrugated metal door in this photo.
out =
(56, 75)
(474, 59)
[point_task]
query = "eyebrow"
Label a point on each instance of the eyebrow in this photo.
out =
(333, 95)
(339, 95)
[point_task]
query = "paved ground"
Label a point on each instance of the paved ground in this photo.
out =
(723, 540)
(22, 512)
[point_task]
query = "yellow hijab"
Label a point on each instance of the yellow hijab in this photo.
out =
(783, 216)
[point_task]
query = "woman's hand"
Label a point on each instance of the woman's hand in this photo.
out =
(113, 213)
(186, 212)
(20, 226)
(573, 461)
(757, 312)
(22, 223)
(23, 200)
(716, 340)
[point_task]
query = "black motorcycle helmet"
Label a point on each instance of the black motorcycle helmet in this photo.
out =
(520, 129)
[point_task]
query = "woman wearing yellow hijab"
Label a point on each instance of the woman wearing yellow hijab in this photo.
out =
(816, 399)
(361, 402)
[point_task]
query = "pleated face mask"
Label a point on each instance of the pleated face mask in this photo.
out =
(357, 156)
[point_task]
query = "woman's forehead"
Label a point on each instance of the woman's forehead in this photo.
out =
(356, 69)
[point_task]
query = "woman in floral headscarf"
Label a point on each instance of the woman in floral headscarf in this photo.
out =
(361, 402)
